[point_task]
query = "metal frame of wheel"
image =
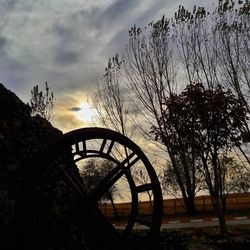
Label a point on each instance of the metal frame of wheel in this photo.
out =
(77, 139)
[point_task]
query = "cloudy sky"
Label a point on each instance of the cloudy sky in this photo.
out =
(67, 43)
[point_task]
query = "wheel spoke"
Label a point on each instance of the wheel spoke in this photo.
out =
(112, 177)
(103, 145)
(110, 147)
(71, 150)
(144, 188)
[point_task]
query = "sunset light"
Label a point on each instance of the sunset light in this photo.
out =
(86, 113)
(124, 124)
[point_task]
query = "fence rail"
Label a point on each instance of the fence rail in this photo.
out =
(237, 201)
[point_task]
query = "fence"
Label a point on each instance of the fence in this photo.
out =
(239, 201)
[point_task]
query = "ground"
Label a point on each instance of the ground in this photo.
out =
(206, 238)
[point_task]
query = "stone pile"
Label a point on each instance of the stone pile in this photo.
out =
(21, 136)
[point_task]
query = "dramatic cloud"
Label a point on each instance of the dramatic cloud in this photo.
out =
(66, 57)
(3, 43)
(75, 109)
(67, 43)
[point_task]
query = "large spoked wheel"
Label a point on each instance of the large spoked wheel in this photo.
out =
(43, 206)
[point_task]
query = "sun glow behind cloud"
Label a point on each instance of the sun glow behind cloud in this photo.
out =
(72, 111)
(86, 113)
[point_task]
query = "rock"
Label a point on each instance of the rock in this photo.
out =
(222, 241)
(21, 136)
(195, 238)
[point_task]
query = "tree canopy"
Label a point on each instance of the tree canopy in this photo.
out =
(188, 78)
(42, 103)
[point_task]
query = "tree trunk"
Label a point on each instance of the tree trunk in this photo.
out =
(223, 225)
(190, 207)
(221, 215)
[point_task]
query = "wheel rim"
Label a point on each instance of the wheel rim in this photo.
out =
(79, 141)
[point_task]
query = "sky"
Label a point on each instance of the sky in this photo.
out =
(67, 44)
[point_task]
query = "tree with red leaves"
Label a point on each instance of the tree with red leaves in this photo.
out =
(201, 125)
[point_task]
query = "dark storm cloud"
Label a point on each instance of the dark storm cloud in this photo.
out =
(117, 10)
(3, 44)
(75, 109)
(7, 5)
(67, 43)
(64, 33)
(66, 57)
